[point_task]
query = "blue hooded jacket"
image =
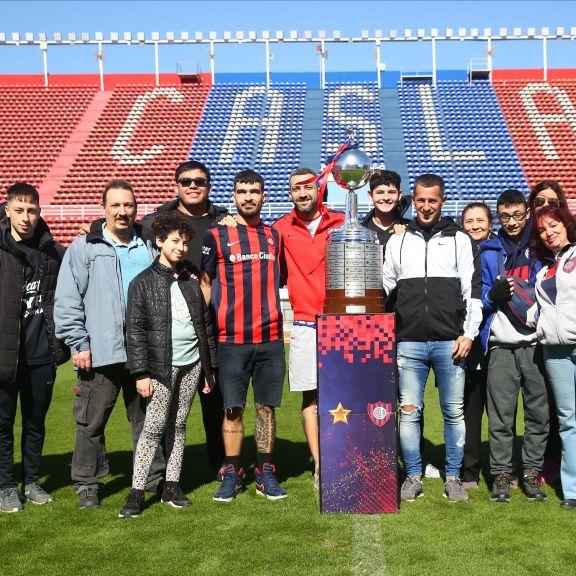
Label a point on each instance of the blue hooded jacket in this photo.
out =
(517, 262)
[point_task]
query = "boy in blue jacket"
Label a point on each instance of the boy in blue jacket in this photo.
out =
(515, 361)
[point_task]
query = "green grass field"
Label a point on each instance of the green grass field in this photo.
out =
(252, 536)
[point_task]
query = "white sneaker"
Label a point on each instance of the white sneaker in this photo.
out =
(317, 478)
(430, 471)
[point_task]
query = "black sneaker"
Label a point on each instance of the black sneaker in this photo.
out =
(501, 488)
(88, 498)
(532, 488)
(134, 505)
(173, 495)
(569, 504)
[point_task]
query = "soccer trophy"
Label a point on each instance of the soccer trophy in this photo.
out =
(356, 349)
(353, 258)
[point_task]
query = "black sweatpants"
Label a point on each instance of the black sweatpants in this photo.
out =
(34, 385)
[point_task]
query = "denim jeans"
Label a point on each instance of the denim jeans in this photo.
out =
(414, 362)
(560, 364)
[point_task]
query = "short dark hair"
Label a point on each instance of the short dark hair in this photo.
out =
(192, 165)
(429, 180)
(21, 190)
(473, 205)
(248, 177)
(172, 221)
(122, 185)
(559, 213)
(302, 172)
(385, 178)
(545, 185)
(510, 197)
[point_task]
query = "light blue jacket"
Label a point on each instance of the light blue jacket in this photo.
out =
(90, 309)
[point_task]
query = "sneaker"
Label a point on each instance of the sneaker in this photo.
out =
(430, 471)
(532, 488)
(231, 484)
(454, 491)
(501, 488)
(37, 495)
(317, 478)
(88, 498)
(220, 473)
(266, 483)
(133, 506)
(412, 488)
(173, 495)
(10, 500)
(569, 504)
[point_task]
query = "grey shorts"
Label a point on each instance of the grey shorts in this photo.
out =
(302, 365)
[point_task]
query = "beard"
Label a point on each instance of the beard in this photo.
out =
(248, 211)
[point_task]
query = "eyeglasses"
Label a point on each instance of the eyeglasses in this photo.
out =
(187, 182)
(540, 201)
(518, 216)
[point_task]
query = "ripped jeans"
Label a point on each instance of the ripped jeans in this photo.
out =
(414, 362)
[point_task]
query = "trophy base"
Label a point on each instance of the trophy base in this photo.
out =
(338, 303)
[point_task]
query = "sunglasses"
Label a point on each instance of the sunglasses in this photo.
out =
(540, 201)
(199, 182)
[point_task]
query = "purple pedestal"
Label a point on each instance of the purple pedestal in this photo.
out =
(357, 412)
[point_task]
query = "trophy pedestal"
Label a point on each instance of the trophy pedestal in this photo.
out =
(338, 303)
(357, 413)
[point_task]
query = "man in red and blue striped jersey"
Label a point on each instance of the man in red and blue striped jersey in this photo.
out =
(241, 278)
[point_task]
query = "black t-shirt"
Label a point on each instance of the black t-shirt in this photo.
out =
(34, 343)
(194, 255)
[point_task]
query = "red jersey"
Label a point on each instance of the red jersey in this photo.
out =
(304, 257)
(243, 263)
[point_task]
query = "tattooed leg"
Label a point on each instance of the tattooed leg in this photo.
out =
(265, 430)
(233, 430)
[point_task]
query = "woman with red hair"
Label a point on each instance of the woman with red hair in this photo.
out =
(554, 241)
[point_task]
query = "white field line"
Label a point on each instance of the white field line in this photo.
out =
(368, 555)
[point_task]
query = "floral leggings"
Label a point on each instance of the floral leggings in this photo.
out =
(166, 412)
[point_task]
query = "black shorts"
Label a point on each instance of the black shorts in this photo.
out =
(265, 363)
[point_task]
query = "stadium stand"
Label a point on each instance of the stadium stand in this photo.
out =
(70, 139)
(353, 106)
(35, 125)
(246, 125)
(541, 117)
(458, 130)
(142, 134)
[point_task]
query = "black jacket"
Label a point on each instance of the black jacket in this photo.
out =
(215, 212)
(383, 235)
(12, 270)
(149, 323)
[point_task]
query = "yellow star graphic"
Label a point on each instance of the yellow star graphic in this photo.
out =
(340, 414)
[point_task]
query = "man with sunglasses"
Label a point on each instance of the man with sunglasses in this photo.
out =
(192, 186)
(515, 360)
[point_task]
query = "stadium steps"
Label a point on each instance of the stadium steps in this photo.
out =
(312, 130)
(78, 138)
(394, 147)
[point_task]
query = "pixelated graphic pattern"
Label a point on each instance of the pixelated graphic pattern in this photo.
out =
(363, 482)
(360, 337)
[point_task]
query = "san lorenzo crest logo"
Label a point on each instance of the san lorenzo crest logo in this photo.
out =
(379, 413)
